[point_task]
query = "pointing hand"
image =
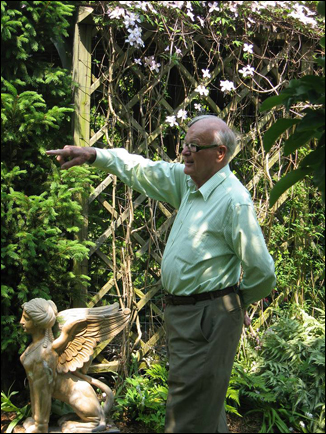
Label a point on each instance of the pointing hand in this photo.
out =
(71, 156)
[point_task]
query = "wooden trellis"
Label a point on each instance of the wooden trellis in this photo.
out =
(87, 85)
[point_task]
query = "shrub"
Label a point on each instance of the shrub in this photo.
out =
(285, 380)
(144, 398)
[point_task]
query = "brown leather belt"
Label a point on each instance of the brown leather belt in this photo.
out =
(193, 299)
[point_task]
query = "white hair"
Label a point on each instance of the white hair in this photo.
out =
(222, 136)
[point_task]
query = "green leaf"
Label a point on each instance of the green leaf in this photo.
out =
(321, 8)
(280, 126)
(313, 82)
(273, 101)
(314, 158)
(286, 182)
(12, 425)
(321, 61)
(319, 178)
(297, 140)
(10, 88)
(313, 119)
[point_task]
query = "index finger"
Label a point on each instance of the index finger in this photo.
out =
(56, 152)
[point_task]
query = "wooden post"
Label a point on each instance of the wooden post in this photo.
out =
(81, 127)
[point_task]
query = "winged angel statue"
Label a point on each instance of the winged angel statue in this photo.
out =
(57, 368)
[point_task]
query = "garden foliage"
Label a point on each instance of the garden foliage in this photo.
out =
(39, 211)
(143, 398)
(308, 91)
(8, 406)
(284, 380)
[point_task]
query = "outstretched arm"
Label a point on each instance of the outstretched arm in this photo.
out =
(159, 180)
(71, 156)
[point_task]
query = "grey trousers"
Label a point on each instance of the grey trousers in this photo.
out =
(202, 340)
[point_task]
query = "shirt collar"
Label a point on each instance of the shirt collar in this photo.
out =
(210, 185)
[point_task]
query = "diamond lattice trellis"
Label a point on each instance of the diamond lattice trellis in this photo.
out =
(139, 120)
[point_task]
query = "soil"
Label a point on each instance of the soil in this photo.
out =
(236, 424)
(6, 418)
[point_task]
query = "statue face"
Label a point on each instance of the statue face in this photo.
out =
(27, 323)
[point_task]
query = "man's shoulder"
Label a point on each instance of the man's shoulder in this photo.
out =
(237, 193)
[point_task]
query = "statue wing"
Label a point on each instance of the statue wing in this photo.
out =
(82, 329)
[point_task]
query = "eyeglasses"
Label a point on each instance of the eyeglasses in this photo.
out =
(195, 148)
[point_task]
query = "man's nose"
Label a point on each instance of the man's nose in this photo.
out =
(185, 151)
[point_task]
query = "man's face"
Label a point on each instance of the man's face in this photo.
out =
(202, 165)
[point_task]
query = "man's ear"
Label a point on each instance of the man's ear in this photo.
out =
(221, 152)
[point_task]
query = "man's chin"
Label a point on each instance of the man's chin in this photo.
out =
(188, 169)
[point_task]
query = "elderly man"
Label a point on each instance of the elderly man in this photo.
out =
(214, 235)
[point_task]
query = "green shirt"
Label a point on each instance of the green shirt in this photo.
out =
(215, 232)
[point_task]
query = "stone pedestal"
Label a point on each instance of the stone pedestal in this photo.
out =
(110, 428)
